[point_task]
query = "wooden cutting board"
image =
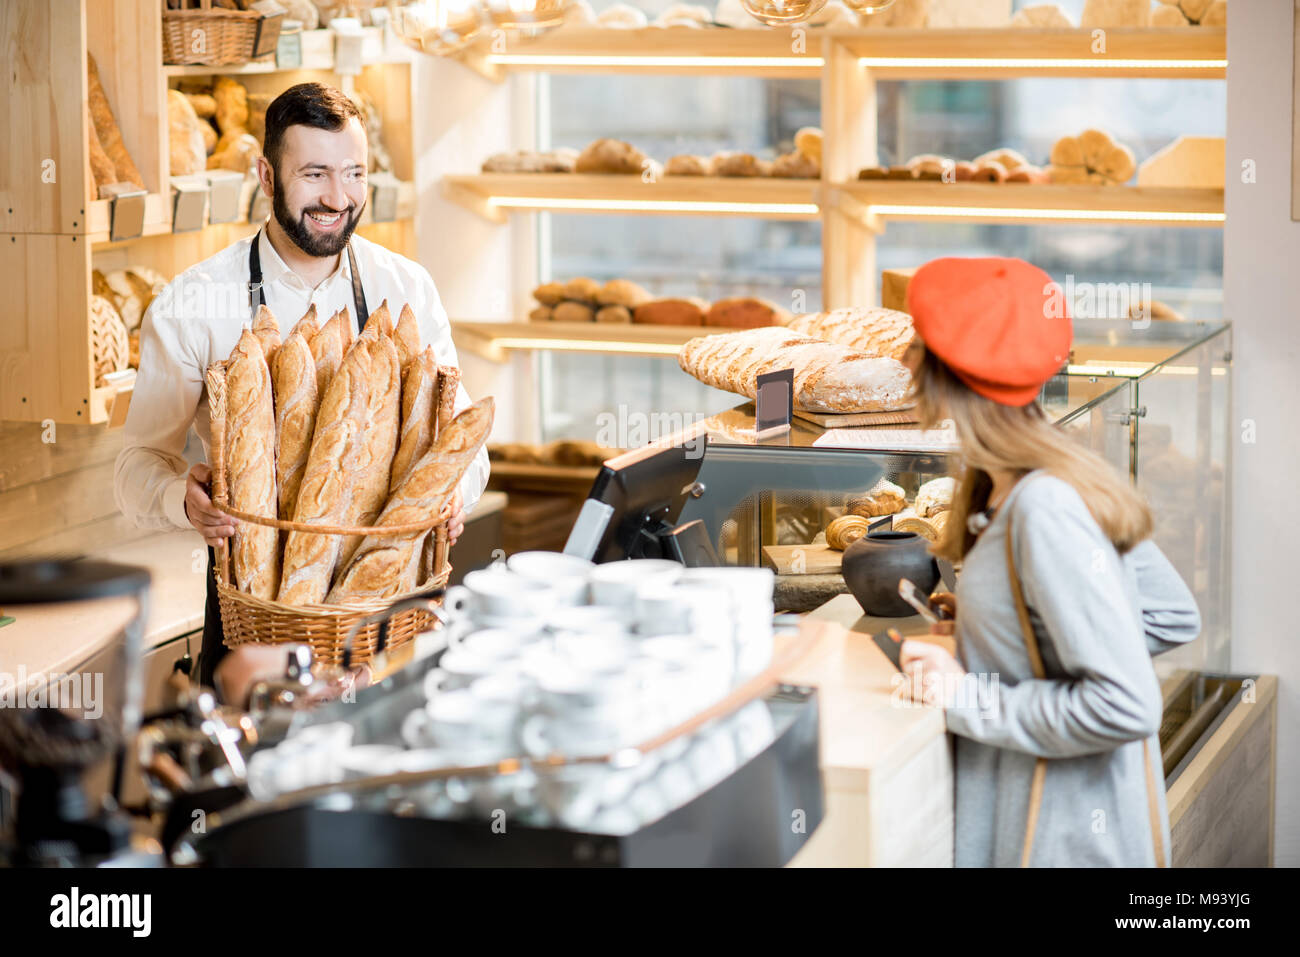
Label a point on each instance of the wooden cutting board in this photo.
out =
(810, 559)
(848, 420)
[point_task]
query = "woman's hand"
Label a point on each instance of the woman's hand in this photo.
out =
(948, 602)
(933, 674)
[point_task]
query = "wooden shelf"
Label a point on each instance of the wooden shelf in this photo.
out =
(873, 201)
(317, 54)
(494, 340)
(1179, 52)
(1197, 52)
(494, 195)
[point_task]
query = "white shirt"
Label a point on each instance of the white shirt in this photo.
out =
(198, 318)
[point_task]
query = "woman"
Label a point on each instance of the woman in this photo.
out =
(1062, 596)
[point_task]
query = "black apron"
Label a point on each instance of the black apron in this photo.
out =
(214, 648)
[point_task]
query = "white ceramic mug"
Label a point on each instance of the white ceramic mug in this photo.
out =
(567, 575)
(616, 583)
(492, 595)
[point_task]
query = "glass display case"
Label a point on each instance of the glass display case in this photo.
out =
(1154, 402)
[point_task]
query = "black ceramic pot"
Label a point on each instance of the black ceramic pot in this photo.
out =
(874, 563)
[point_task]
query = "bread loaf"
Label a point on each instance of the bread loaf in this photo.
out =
(622, 292)
(267, 329)
(616, 314)
(296, 400)
(101, 167)
(448, 384)
(745, 312)
(549, 294)
(610, 156)
(581, 289)
(110, 137)
(795, 165)
(250, 459)
(203, 104)
(406, 336)
(419, 415)
(671, 312)
(870, 330)
(307, 326)
(686, 164)
(383, 415)
(327, 352)
(382, 321)
(386, 566)
(935, 496)
(738, 164)
(324, 495)
(540, 314)
(573, 312)
(808, 141)
(231, 101)
(827, 377)
(186, 152)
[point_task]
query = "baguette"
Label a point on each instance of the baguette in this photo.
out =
(324, 494)
(388, 565)
(827, 377)
(267, 329)
(419, 415)
(307, 326)
(101, 167)
(448, 384)
(381, 321)
(374, 466)
(250, 429)
(110, 137)
(294, 379)
(407, 336)
(869, 330)
(327, 351)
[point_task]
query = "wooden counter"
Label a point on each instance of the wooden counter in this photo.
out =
(886, 763)
(58, 638)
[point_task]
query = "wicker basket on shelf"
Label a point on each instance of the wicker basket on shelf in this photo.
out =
(201, 34)
(246, 618)
(110, 346)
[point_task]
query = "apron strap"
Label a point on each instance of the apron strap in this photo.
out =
(256, 298)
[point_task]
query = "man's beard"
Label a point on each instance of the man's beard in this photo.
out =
(310, 243)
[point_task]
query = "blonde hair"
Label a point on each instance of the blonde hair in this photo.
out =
(1019, 440)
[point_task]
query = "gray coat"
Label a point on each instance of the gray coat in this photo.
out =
(1098, 618)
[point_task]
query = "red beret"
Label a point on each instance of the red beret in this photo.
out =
(1001, 325)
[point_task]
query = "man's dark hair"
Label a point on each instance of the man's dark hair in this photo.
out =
(307, 104)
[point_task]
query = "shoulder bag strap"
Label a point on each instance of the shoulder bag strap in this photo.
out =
(1040, 766)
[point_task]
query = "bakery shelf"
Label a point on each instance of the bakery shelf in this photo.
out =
(317, 54)
(494, 195)
(878, 200)
(494, 340)
(1165, 52)
(99, 216)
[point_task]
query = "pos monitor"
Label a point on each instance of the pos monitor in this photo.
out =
(632, 508)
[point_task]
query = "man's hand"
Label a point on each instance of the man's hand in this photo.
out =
(211, 524)
(456, 524)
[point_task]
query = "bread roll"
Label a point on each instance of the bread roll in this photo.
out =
(540, 314)
(610, 156)
(549, 294)
(808, 141)
(573, 312)
(125, 297)
(325, 493)
(387, 566)
(406, 335)
(827, 377)
(990, 171)
(327, 351)
(296, 399)
(622, 292)
(935, 496)
(1215, 15)
(110, 137)
(186, 152)
(581, 289)
(870, 330)
(737, 164)
(964, 171)
(419, 415)
(686, 164)
(267, 329)
(383, 419)
(795, 166)
(616, 314)
(671, 312)
(744, 312)
(250, 458)
(884, 498)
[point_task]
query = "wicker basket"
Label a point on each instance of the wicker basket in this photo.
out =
(110, 345)
(325, 628)
(215, 37)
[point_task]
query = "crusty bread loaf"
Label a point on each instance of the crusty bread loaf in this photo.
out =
(568, 311)
(448, 384)
(110, 137)
(617, 314)
(383, 415)
(550, 293)
(827, 377)
(406, 335)
(686, 164)
(622, 292)
(296, 399)
(101, 167)
(744, 312)
(738, 164)
(308, 327)
(327, 351)
(581, 289)
(870, 330)
(419, 415)
(250, 458)
(267, 329)
(324, 495)
(671, 312)
(385, 566)
(540, 314)
(186, 152)
(346, 334)
(381, 321)
(610, 156)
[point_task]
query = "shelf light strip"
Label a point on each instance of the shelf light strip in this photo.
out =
(1083, 215)
(705, 62)
(1035, 63)
(655, 205)
(586, 345)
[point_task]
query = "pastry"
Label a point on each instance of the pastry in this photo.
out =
(1009, 158)
(267, 329)
(250, 459)
(737, 164)
(560, 160)
(908, 521)
(795, 166)
(964, 171)
(549, 294)
(990, 171)
(610, 156)
(745, 312)
(568, 311)
(622, 292)
(870, 330)
(294, 387)
(884, 498)
(687, 165)
(900, 172)
(581, 289)
(827, 377)
(671, 312)
(935, 496)
(808, 141)
(1091, 157)
(387, 566)
(846, 530)
(1028, 174)
(929, 166)
(419, 394)
(614, 314)
(110, 137)
(325, 493)
(406, 336)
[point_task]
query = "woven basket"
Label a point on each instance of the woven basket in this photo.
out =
(110, 345)
(245, 618)
(211, 37)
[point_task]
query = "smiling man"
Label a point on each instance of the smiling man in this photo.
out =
(314, 170)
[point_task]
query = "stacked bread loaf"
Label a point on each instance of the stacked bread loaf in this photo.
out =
(323, 430)
(871, 330)
(621, 300)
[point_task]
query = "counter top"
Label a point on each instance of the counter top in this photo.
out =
(56, 639)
